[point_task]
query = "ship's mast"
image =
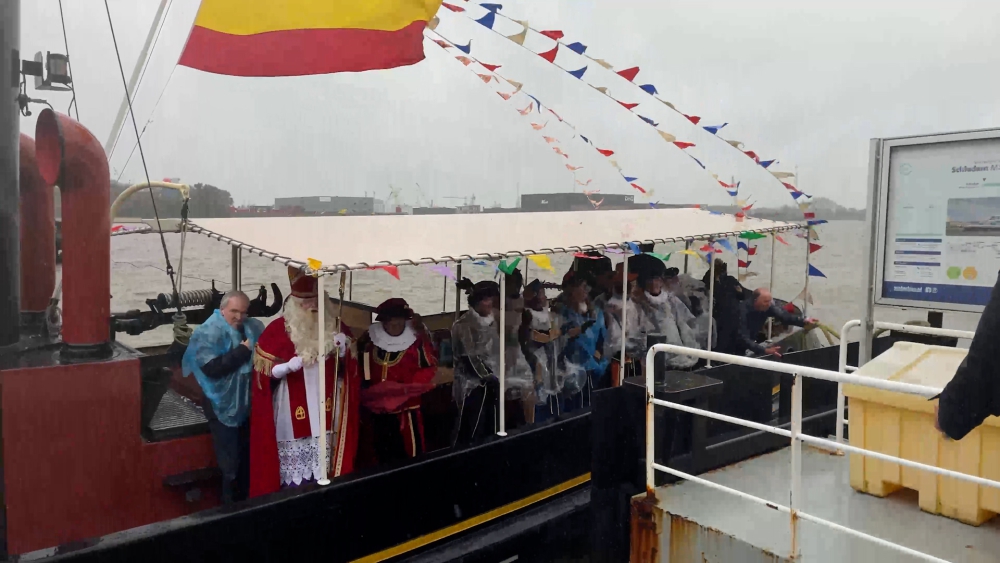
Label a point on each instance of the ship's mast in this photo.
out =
(10, 255)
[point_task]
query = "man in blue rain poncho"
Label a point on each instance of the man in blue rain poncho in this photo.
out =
(219, 355)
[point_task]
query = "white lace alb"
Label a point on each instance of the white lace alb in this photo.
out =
(299, 459)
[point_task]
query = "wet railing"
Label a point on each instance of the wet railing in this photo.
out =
(795, 434)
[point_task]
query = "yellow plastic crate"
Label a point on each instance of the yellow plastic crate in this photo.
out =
(903, 426)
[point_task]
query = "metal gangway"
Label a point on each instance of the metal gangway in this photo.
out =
(793, 508)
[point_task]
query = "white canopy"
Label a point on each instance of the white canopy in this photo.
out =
(349, 243)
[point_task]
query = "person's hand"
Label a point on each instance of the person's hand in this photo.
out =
(340, 340)
(573, 332)
(774, 351)
(246, 342)
(295, 364)
(811, 321)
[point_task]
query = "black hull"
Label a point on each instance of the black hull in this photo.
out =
(521, 495)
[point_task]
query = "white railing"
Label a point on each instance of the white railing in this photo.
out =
(844, 368)
(795, 433)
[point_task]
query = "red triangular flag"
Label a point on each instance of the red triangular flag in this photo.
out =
(747, 208)
(485, 77)
(553, 34)
(751, 250)
(628, 106)
(638, 187)
(683, 145)
(442, 43)
(756, 158)
(453, 7)
(550, 55)
(606, 152)
(706, 248)
(789, 187)
(392, 270)
(490, 68)
(781, 240)
(742, 264)
(692, 118)
(813, 247)
(629, 73)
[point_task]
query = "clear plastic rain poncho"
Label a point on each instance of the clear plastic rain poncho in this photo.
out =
(635, 334)
(541, 352)
(694, 296)
(664, 317)
(476, 349)
(520, 380)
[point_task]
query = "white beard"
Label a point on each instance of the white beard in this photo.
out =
(302, 326)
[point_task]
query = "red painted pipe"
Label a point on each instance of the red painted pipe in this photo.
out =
(38, 233)
(70, 156)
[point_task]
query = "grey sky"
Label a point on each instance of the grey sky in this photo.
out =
(807, 82)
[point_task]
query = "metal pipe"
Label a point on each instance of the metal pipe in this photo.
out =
(770, 285)
(10, 277)
(503, 354)
(805, 291)
(621, 359)
(872, 216)
(444, 295)
(237, 257)
(458, 294)
(38, 238)
(650, 419)
(143, 55)
(795, 493)
(711, 302)
(321, 339)
(687, 246)
(184, 189)
(842, 368)
(69, 155)
(724, 418)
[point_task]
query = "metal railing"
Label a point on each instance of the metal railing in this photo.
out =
(844, 368)
(795, 434)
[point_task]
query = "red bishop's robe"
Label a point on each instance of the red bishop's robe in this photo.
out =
(392, 383)
(274, 348)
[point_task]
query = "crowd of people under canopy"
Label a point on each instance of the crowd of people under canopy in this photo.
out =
(261, 384)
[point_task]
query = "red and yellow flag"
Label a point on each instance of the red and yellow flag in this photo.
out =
(299, 37)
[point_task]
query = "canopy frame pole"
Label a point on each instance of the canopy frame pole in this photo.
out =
(687, 246)
(503, 353)
(350, 286)
(711, 299)
(237, 265)
(458, 294)
(444, 295)
(321, 319)
(805, 292)
(621, 358)
(338, 327)
(770, 282)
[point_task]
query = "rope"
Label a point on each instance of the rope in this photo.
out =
(190, 277)
(163, 240)
(142, 74)
(72, 85)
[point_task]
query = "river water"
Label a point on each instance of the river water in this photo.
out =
(137, 274)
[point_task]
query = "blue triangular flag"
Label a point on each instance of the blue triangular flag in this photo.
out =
(649, 89)
(715, 213)
(649, 121)
(742, 245)
(714, 129)
(696, 160)
(488, 19)
(492, 7)
(633, 247)
(653, 205)
(817, 221)
(464, 48)
(797, 195)
(724, 243)
(578, 73)
(585, 139)
(766, 163)
(814, 271)
(578, 48)
(537, 103)
(630, 179)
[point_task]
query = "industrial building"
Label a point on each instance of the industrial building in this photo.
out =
(573, 202)
(333, 204)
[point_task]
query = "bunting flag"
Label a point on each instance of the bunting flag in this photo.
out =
(596, 204)
(488, 19)
(553, 112)
(781, 240)
(443, 270)
(578, 48)
(550, 55)
(589, 193)
(742, 245)
(630, 179)
(698, 162)
(816, 222)
(714, 129)
(638, 187)
(664, 257)
(586, 256)
(520, 37)
(692, 118)
(527, 110)
(724, 243)
(752, 251)
(554, 34)
(603, 63)
(629, 73)
(550, 140)
(706, 248)
(442, 44)
(649, 121)
(683, 145)
(587, 183)
(750, 235)
(606, 152)
(742, 264)
(628, 106)
(666, 136)
(781, 175)
(491, 68)
(538, 127)
(392, 270)
(814, 272)
(509, 268)
(487, 78)
(464, 60)
(633, 247)
(572, 168)
(542, 261)
(453, 7)
(265, 38)
(578, 73)
(467, 48)
(649, 89)
(813, 247)
(766, 163)
(559, 151)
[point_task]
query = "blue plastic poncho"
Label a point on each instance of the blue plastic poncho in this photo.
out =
(230, 396)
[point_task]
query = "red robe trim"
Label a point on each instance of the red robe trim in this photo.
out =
(274, 348)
